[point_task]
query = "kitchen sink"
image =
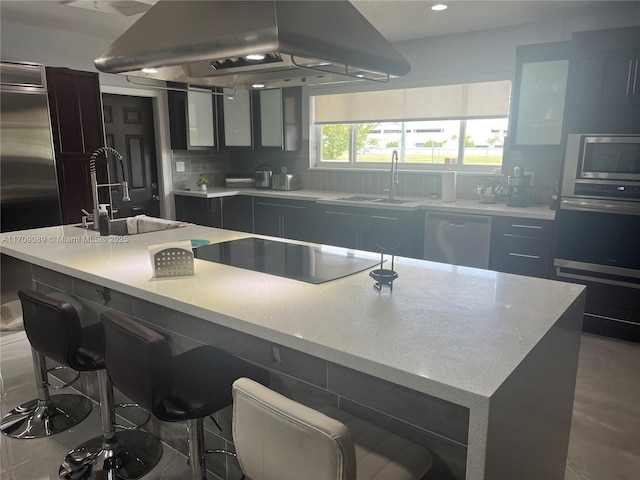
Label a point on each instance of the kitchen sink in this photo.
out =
(119, 227)
(368, 199)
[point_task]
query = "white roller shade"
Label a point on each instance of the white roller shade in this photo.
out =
(486, 99)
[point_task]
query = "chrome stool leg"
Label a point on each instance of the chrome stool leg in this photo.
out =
(195, 437)
(125, 455)
(47, 414)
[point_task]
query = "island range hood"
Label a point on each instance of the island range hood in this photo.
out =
(242, 43)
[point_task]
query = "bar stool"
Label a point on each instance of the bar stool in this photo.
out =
(186, 387)
(45, 323)
(277, 438)
(53, 328)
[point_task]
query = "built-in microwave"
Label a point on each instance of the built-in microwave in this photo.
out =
(602, 165)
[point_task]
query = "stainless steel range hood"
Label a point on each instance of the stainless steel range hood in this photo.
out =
(207, 43)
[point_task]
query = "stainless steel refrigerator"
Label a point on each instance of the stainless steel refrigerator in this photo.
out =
(29, 194)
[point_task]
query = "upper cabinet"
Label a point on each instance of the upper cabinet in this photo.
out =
(539, 93)
(76, 111)
(604, 79)
(236, 120)
(269, 117)
(607, 68)
(607, 78)
(258, 119)
(192, 120)
(200, 119)
(278, 118)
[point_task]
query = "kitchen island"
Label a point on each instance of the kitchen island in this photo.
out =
(476, 365)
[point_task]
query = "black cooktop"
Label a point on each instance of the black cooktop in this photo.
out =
(284, 259)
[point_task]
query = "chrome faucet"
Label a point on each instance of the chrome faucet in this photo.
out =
(393, 184)
(95, 185)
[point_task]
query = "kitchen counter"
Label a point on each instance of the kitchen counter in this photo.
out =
(541, 212)
(492, 343)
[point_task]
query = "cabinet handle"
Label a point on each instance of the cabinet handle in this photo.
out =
(536, 257)
(535, 227)
(635, 78)
(337, 213)
(384, 218)
(629, 75)
(281, 205)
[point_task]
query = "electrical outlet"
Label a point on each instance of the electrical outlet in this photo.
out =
(532, 175)
(180, 167)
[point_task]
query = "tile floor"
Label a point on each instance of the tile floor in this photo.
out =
(605, 434)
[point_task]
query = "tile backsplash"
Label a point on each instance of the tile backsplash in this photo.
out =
(187, 166)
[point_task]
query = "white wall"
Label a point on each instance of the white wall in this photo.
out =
(484, 55)
(488, 54)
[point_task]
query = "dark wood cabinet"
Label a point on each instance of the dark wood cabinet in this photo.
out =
(195, 129)
(607, 78)
(521, 246)
(292, 219)
(237, 213)
(199, 210)
(77, 129)
(375, 230)
(604, 82)
(284, 107)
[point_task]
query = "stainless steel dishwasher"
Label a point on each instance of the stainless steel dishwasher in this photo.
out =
(457, 239)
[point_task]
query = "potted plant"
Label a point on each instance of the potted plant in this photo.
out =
(203, 182)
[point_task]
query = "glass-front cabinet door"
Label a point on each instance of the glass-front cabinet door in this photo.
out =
(237, 119)
(541, 99)
(201, 119)
(271, 118)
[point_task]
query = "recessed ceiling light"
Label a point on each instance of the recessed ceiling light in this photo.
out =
(150, 70)
(439, 7)
(255, 56)
(257, 85)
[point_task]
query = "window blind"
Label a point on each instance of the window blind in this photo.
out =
(469, 100)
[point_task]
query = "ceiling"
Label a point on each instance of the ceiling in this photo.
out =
(397, 20)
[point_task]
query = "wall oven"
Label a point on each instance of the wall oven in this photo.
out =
(598, 226)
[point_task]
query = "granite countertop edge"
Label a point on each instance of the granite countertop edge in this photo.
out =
(462, 206)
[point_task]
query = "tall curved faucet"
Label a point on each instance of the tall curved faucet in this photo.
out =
(394, 175)
(95, 185)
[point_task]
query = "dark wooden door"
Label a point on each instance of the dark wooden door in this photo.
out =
(76, 124)
(128, 124)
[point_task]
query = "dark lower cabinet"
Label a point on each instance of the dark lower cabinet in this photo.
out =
(521, 246)
(375, 230)
(198, 210)
(292, 219)
(237, 213)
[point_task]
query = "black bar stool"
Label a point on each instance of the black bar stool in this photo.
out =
(46, 323)
(53, 328)
(186, 387)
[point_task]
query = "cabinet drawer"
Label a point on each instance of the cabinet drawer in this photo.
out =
(521, 255)
(525, 227)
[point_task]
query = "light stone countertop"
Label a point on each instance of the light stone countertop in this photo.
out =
(541, 212)
(452, 332)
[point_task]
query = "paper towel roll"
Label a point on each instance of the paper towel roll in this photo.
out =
(449, 186)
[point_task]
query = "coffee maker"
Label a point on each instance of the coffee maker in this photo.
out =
(518, 188)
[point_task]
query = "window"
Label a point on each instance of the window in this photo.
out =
(469, 133)
(358, 144)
